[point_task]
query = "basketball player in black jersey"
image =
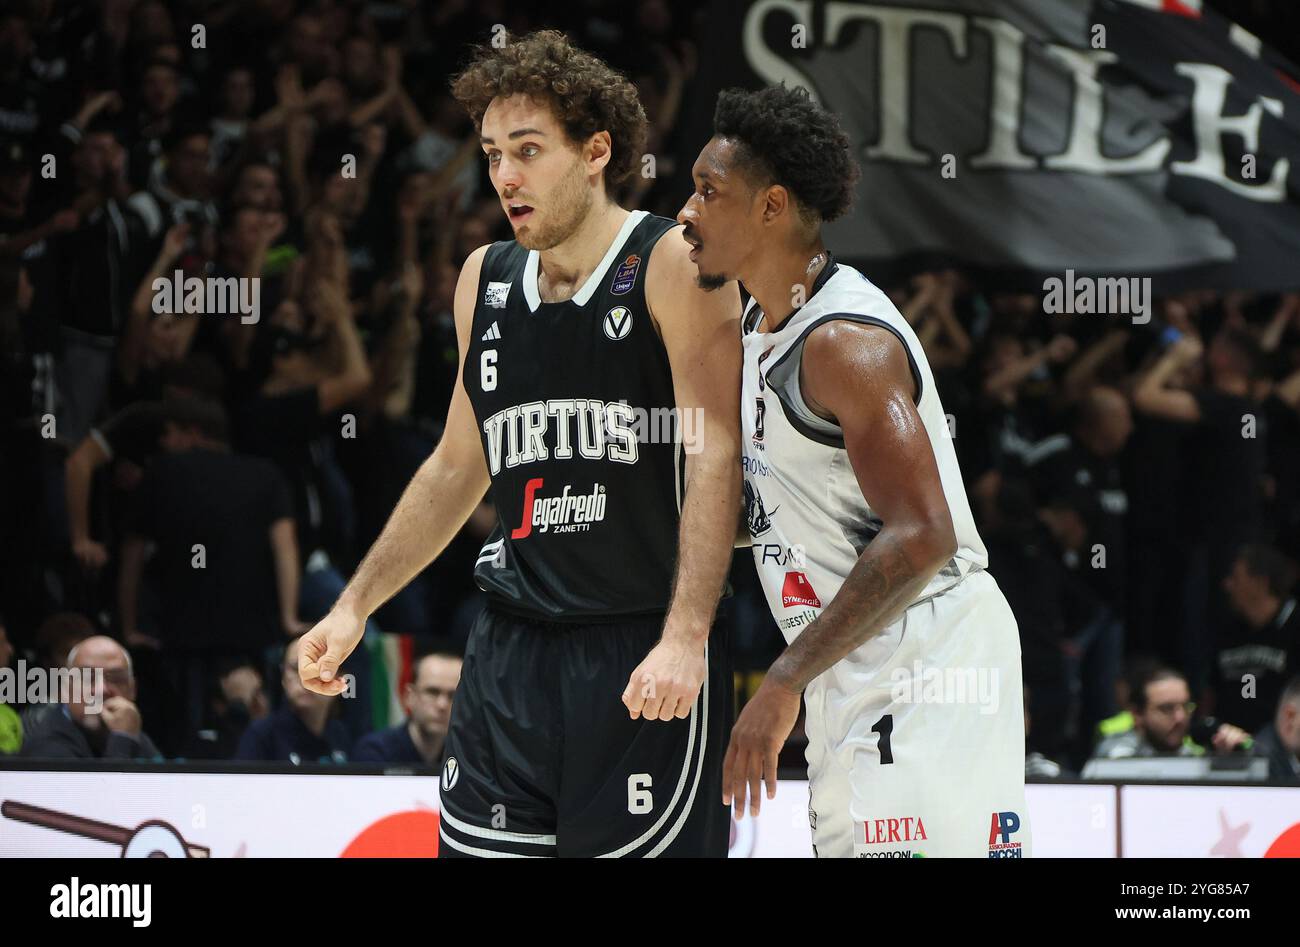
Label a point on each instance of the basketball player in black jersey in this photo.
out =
(594, 700)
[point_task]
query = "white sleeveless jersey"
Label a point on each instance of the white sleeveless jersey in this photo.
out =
(936, 692)
(808, 519)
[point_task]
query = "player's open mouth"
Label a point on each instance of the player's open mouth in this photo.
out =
(519, 213)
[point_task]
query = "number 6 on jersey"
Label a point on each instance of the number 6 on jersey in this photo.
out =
(639, 800)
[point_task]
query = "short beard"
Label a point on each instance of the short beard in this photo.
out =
(709, 282)
(431, 731)
(571, 200)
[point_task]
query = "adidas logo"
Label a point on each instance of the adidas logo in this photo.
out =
(492, 333)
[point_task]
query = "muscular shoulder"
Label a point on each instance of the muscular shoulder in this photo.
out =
(844, 361)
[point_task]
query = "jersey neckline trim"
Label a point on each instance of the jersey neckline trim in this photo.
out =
(752, 318)
(583, 295)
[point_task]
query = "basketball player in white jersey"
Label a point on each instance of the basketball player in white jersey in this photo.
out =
(900, 641)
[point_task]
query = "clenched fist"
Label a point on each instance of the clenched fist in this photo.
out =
(323, 649)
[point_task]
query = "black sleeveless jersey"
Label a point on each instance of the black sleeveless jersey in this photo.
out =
(574, 403)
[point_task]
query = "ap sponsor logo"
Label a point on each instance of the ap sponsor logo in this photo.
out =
(1003, 826)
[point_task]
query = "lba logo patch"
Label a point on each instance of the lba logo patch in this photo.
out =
(797, 590)
(618, 323)
(1003, 826)
(625, 276)
(450, 774)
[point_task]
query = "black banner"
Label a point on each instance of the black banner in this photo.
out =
(1027, 137)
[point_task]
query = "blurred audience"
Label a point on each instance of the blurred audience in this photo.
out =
(58, 635)
(104, 724)
(303, 729)
(225, 561)
(427, 699)
(236, 699)
(1260, 650)
(1084, 503)
(1280, 740)
(1162, 723)
(11, 725)
(1038, 764)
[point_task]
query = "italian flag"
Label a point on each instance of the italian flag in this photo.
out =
(390, 672)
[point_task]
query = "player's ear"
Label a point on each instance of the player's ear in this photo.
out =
(776, 201)
(598, 151)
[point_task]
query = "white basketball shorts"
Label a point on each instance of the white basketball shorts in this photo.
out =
(916, 740)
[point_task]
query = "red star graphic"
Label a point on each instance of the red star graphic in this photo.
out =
(1229, 843)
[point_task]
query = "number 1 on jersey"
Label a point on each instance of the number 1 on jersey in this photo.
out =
(885, 726)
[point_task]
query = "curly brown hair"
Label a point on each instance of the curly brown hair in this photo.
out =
(586, 95)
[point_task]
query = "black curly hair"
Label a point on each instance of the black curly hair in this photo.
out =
(786, 138)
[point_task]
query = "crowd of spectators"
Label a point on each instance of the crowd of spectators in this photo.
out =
(193, 490)
(199, 486)
(1138, 488)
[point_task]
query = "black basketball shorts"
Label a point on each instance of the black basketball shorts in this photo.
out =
(542, 759)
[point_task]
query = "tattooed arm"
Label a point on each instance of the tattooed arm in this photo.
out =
(859, 377)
